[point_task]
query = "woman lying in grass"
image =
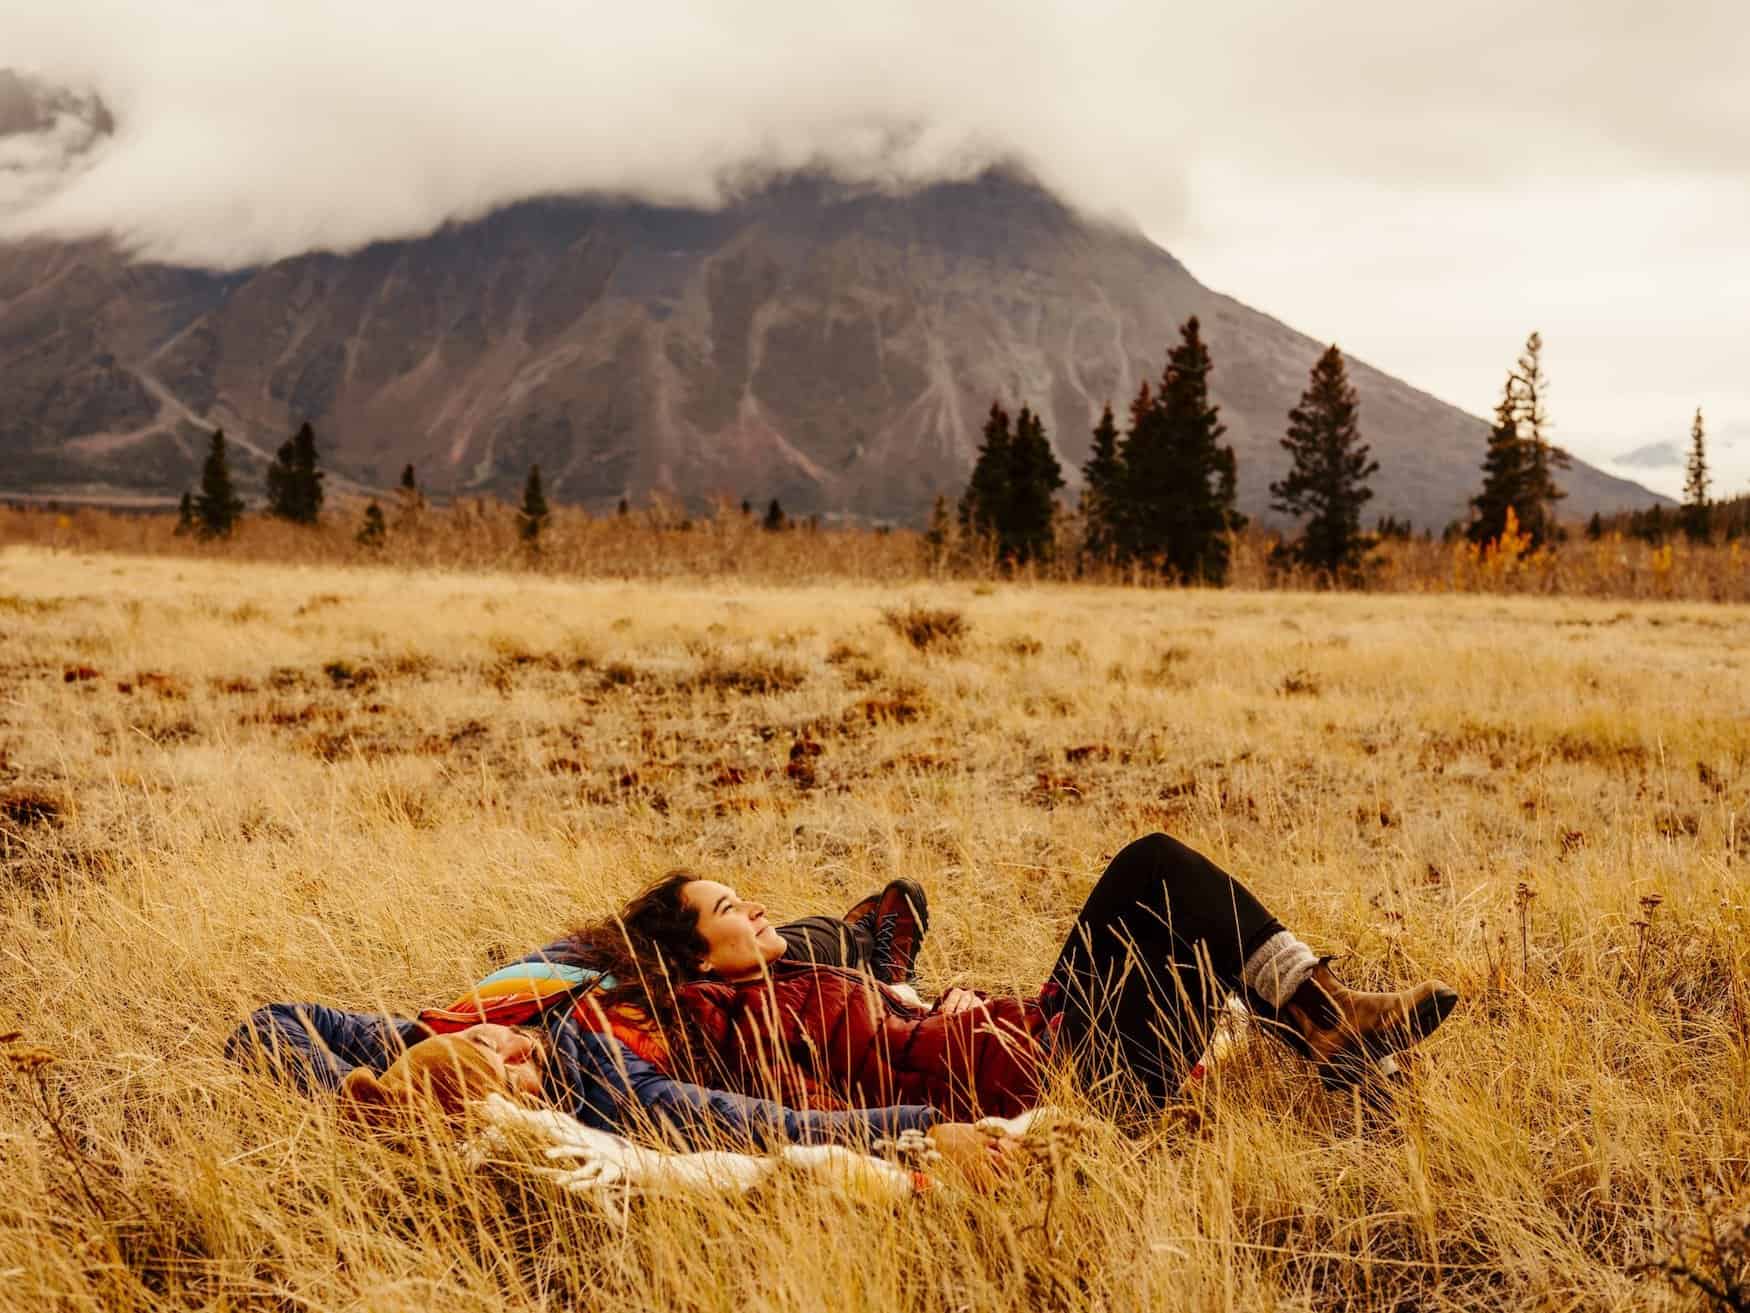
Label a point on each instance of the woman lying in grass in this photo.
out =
(706, 1025)
(704, 985)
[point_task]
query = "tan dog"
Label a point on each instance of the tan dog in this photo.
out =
(451, 1078)
(445, 1074)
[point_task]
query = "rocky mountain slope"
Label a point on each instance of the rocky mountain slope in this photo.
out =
(833, 348)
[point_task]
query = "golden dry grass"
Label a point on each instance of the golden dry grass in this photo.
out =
(223, 783)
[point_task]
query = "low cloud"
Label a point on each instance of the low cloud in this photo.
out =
(46, 136)
(244, 135)
(246, 131)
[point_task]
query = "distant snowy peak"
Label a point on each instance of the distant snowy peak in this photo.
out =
(1652, 456)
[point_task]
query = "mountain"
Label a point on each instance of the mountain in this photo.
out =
(833, 347)
(1653, 456)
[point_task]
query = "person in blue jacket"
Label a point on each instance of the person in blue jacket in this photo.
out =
(589, 1074)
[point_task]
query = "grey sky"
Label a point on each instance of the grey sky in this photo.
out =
(1421, 183)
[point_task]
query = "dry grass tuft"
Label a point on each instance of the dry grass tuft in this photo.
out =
(754, 672)
(29, 807)
(927, 627)
(1710, 1256)
(902, 708)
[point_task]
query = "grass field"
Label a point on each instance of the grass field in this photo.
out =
(225, 783)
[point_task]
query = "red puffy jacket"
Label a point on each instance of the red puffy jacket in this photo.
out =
(823, 1037)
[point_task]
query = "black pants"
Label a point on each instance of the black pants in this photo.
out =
(1157, 949)
(829, 942)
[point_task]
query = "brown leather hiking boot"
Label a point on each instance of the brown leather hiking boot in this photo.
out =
(894, 922)
(1346, 1032)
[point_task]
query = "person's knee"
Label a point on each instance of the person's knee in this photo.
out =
(274, 1038)
(1158, 850)
(256, 1038)
(1157, 861)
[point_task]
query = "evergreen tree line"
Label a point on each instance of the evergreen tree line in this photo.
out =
(295, 494)
(1699, 518)
(1519, 474)
(294, 488)
(773, 521)
(1162, 492)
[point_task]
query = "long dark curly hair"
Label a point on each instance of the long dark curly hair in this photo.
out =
(651, 947)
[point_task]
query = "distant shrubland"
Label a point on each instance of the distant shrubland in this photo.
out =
(664, 540)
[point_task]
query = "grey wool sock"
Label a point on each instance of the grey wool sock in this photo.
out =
(1278, 967)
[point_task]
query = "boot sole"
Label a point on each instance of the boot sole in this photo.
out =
(1351, 1067)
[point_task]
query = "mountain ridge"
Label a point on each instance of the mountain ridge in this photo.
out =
(835, 347)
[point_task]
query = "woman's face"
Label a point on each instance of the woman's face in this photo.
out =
(516, 1054)
(740, 942)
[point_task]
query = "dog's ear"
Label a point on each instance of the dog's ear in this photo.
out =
(367, 1101)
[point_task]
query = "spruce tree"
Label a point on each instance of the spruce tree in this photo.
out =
(1595, 527)
(1181, 482)
(1103, 489)
(1504, 474)
(532, 517)
(775, 520)
(409, 500)
(1151, 476)
(282, 494)
(373, 531)
(308, 476)
(1697, 509)
(185, 515)
(294, 484)
(1536, 507)
(1227, 491)
(217, 507)
(1653, 525)
(1034, 476)
(987, 492)
(1137, 450)
(1327, 480)
(936, 536)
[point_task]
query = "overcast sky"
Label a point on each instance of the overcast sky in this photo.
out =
(1422, 184)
